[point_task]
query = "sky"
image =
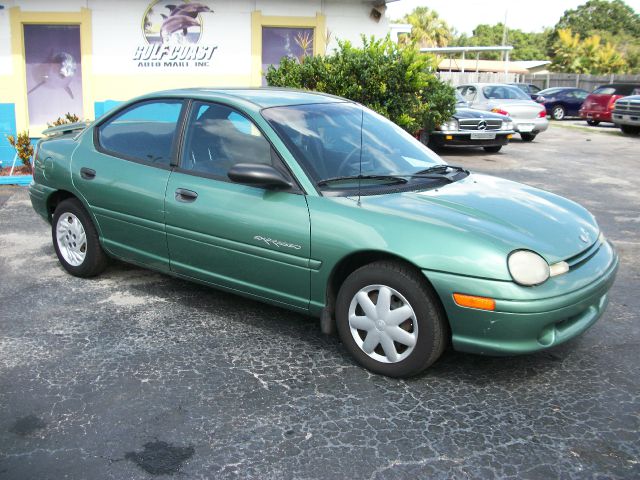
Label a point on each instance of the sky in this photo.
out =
(464, 15)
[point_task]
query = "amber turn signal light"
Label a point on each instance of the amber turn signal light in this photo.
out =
(471, 301)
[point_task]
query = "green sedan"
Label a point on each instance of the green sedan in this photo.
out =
(319, 205)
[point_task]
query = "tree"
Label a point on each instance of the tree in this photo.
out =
(394, 80)
(526, 45)
(427, 28)
(589, 55)
(596, 16)
(614, 22)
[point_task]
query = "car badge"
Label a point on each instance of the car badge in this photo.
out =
(584, 235)
(482, 125)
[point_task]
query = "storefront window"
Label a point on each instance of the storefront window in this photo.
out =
(54, 74)
(278, 42)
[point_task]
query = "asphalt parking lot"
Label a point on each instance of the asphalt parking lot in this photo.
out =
(135, 374)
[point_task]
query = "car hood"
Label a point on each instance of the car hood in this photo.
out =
(507, 214)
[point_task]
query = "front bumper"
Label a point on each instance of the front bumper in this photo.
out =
(531, 125)
(463, 138)
(626, 119)
(528, 319)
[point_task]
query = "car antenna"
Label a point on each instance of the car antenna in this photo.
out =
(360, 162)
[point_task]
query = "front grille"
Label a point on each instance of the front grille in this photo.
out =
(472, 124)
(627, 107)
(584, 255)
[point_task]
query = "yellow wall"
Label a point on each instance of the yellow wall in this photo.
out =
(318, 23)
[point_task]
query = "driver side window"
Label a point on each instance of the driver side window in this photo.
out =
(218, 138)
(468, 92)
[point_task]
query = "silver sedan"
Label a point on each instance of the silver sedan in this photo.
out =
(529, 117)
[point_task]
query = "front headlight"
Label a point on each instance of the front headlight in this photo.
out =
(507, 125)
(528, 268)
(450, 126)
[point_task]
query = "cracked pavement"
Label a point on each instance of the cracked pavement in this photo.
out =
(136, 374)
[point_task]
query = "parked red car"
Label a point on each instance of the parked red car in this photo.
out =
(599, 104)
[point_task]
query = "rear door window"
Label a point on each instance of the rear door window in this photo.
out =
(144, 132)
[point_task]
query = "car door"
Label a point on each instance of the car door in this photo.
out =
(122, 172)
(575, 98)
(241, 237)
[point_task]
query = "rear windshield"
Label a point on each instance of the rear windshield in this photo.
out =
(505, 92)
(616, 89)
(551, 91)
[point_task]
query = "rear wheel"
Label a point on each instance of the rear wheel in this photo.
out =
(493, 149)
(593, 123)
(558, 112)
(75, 240)
(630, 129)
(528, 137)
(390, 320)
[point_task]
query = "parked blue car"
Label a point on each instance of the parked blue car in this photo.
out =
(561, 102)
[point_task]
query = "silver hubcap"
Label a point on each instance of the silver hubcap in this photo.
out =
(383, 324)
(558, 113)
(71, 238)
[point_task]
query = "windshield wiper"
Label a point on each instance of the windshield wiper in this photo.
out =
(441, 168)
(395, 178)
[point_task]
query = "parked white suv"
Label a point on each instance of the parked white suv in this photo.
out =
(626, 114)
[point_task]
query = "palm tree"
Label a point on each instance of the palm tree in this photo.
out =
(428, 29)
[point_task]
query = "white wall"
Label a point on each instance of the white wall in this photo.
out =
(117, 33)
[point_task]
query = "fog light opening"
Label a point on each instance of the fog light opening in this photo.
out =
(472, 301)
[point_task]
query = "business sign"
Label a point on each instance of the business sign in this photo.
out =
(172, 30)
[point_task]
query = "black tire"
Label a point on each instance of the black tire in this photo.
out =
(95, 260)
(630, 129)
(493, 149)
(528, 137)
(432, 327)
(593, 123)
(558, 112)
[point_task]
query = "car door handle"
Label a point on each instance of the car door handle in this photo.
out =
(184, 195)
(87, 173)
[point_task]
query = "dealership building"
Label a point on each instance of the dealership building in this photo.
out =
(85, 57)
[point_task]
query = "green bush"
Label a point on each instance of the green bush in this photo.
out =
(395, 81)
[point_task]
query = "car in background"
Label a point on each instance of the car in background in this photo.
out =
(626, 114)
(471, 128)
(529, 118)
(528, 88)
(562, 102)
(598, 106)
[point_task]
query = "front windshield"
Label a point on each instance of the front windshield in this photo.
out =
(335, 140)
(505, 92)
(460, 98)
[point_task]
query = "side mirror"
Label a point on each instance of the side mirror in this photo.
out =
(258, 175)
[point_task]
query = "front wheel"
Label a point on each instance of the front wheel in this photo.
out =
(528, 137)
(75, 240)
(593, 123)
(493, 149)
(390, 320)
(558, 112)
(630, 129)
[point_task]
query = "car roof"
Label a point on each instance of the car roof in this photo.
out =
(262, 97)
